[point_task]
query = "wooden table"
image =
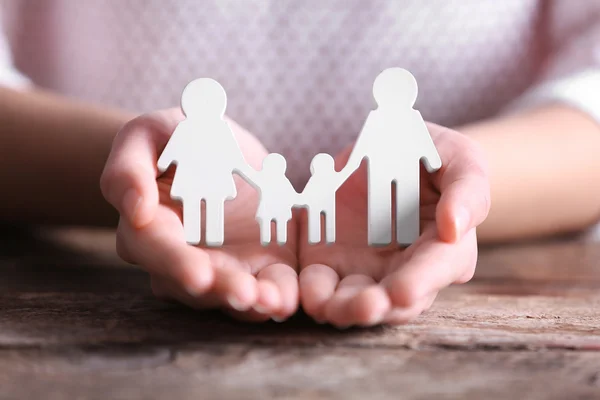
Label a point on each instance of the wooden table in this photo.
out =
(77, 324)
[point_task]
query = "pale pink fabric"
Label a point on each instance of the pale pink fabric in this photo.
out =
(299, 73)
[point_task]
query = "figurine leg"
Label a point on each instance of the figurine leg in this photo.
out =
(282, 232)
(265, 232)
(314, 226)
(330, 225)
(380, 210)
(407, 210)
(192, 221)
(215, 222)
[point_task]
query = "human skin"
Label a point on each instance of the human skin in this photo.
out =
(60, 148)
(544, 168)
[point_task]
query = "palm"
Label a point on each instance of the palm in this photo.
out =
(242, 249)
(360, 293)
(243, 277)
(351, 253)
(241, 256)
(347, 283)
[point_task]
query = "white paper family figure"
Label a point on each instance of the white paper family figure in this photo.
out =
(318, 197)
(394, 140)
(206, 154)
(277, 197)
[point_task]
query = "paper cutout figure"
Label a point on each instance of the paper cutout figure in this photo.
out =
(206, 154)
(318, 197)
(277, 197)
(394, 139)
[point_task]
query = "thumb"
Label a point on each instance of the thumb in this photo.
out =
(128, 181)
(465, 194)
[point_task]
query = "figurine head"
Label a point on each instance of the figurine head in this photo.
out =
(395, 87)
(203, 96)
(322, 162)
(275, 163)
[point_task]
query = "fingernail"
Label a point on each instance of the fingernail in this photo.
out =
(198, 284)
(236, 304)
(461, 222)
(260, 309)
(131, 203)
(195, 290)
(278, 319)
(375, 320)
(192, 291)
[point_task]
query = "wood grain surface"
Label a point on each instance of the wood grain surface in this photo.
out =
(76, 323)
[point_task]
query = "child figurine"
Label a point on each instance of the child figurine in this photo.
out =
(319, 197)
(277, 197)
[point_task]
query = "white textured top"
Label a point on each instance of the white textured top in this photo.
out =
(299, 74)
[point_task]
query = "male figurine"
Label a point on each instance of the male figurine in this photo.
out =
(394, 139)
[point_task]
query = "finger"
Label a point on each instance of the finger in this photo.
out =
(227, 285)
(369, 306)
(429, 301)
(284, 280)
(121, 246)
(463, 182)
(160, 249)
(468, 275)
(399, 316)
(433, 266)
(217, 297)
(212, 277)
(269, 298)
(339, 309)
(168, 290)
(235, 288)
(317, 286)
(128, 181)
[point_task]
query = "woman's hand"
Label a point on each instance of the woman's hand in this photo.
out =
(349, 283)
(248, 280)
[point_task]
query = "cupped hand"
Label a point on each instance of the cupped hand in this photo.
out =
(349, 283)
(244, 278)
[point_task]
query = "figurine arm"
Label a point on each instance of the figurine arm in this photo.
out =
(243, 169)
(168, 155)
(249, 174)
(430, 156)
(298, 197)
(342, 177)
(358, 151)
(238, 162)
